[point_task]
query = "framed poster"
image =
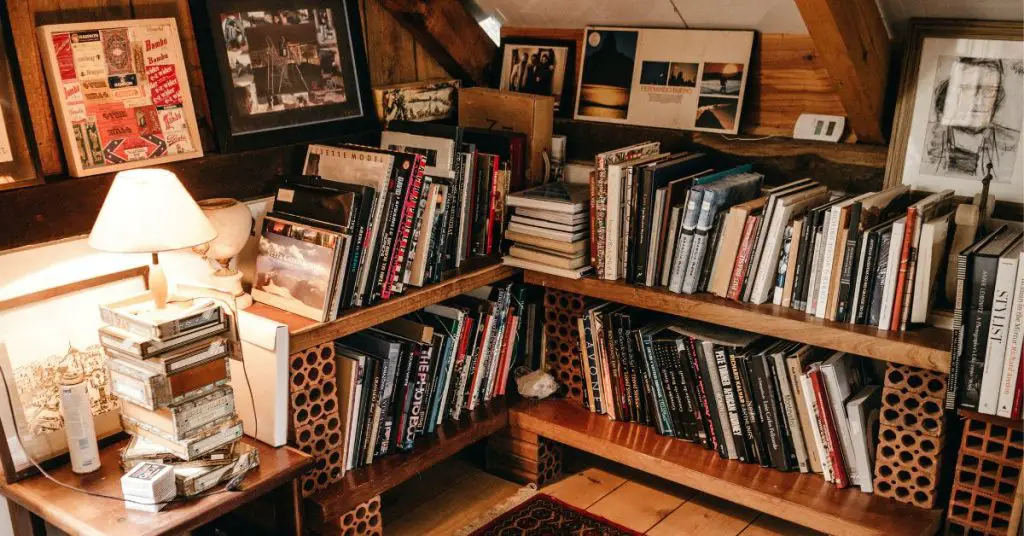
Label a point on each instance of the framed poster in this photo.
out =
(121, 94)
(960, 109)
(42, 335)
(19, 164)
(541, 67)
(283, 71)
(427, 100)
(670, 78)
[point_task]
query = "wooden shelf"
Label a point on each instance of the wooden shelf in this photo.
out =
(360, 485)
(802, 498)
(306, 333)
(926, 347)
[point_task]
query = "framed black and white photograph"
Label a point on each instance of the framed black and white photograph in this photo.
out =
(541, 67)
(283, 71)
(19, 165)
(961, 109)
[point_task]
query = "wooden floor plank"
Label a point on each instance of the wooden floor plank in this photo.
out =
(766, 525)
(638, 505)
(585, 488)
(453, 509)
(424, 487)
(704, 515)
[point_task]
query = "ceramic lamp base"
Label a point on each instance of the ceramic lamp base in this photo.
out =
(232, 283)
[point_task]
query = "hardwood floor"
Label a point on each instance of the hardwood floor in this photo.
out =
(455, 493)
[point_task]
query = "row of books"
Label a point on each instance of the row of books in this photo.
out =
(549, 229)
(988, 326)
(679, 222)
(405, 377)
(750, 398)
(362, 223)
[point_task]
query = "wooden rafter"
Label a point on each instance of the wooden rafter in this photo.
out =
(854, 46)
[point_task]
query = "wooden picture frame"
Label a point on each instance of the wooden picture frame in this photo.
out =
(19, 161)
(434, 100)
(276, 94)
(71, 299)
(121, 94)
(912, 157)
(563, 76)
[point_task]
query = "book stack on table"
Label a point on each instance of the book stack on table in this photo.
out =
(550, 229)
(170, 369)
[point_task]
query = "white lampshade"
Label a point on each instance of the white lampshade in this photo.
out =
(148, 211)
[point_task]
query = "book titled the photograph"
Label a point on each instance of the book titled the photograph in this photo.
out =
(294, 267)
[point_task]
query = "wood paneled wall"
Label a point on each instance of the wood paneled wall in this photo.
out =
(394, 56)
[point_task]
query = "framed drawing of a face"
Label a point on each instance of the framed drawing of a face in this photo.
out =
(283, 71)
(960, 109)
(42, 335)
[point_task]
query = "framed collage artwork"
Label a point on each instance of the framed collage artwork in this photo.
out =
(281, 71)
(19, 164)
(121, 94)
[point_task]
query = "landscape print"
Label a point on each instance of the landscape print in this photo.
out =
(607, 73)
(293, 268)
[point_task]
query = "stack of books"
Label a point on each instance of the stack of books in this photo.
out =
(750, 398)
(988, 326)
(170, 369)
(550, 229)
(361, 224)
(404, 378)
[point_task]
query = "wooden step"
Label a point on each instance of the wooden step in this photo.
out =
(802, 498)
(925, 347)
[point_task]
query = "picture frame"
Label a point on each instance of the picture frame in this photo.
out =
(121, 94)
(19, 161)
(307, 80)
(41, 333)
(560, 80)
(424, 101)
(960, 109)
(664, 77)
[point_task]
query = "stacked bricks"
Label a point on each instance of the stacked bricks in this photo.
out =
(562, 340)
(524, 457)
(315, 426)
(363, 520)
(987, 475)
(911, 437)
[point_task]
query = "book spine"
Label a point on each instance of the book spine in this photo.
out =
(846, 279)
(709, 413)
(798, 300)
(416, 230)
(689, 388)
(769, 418)
(1011, 360)
(899, 301)
(719, 410)
(983, 275)
(746, 413)
(998, 333)
(400, 255)
(830, 232)
(739, 271)
(421, 377)
(617, 373)
(711, 254)
(791, 414)
(373, 424)
(757, 249)
(731, 403)
(388, 230)
(816, 426)
(815, 271)
(664, 353)
(598, 213)
(1018, 394)
(956, 340)
(782, 267)
(663, 416)
(493, 204)
(871, 269)
(613, 224)
(643, 233)
(828, 427)
(586, 348)
(709, 438)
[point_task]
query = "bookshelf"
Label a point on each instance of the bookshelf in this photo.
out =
(802, 498)
(927, 348)
(306, 333)
(360, 485)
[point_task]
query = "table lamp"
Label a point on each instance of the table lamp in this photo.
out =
(149, 211)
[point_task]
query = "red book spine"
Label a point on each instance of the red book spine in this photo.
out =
(501, 378)
(492, 215)
(1018, 390)
(471, 385)
(409, 205)
(739, 270)
(828, 422)
(901, 278)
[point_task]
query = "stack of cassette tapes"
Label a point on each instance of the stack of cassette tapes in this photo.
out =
(169, 366)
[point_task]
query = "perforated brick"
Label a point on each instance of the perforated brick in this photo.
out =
(311, 367)
(561, 340)
(908, 466)
(321, 436)
(987, 474)
(363, 520)
(913, 410)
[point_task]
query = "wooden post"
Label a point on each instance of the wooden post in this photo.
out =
(854, 46)
(449, 33)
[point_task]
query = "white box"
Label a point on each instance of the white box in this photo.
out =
(265, 351)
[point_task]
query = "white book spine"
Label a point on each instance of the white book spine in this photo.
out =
(1011, 359)
(998, 331)
(716, 389)
(860, 445)
(685, 242)
(828, 261)
(889, 287)
(612, 224)
(767, 269)
(627, 196)
(812, 410)
(796, 431)
(652, 251)
(812, 289)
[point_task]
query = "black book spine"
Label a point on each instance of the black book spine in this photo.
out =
(622, 344)
(481, 208)
(358, 242)
(866, 286)
(458, 381)
(813, 237)
(645, 381)
(878, 278)
(643, 229)
(711, 403)
(957, 339)
(661, 406)
(711, 252)
(850, 253)
(451, 229)
(434, 355)
(403, 396)
(779, 413)
(665, 352)
(635, 388)
(388, 227)
(620, 395)
(799, 272)
(420, 383)
(387, 407)
(748, 419)
(371, 385)
(975, 329)
(710, 439)
(689, 386)
(769, 421)
(752, 411)
(722, 359)
(407, 226)
(633, 214)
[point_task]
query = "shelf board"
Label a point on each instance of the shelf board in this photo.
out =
(306, 333)
(360, 485)
(802, 498)
(926, 347)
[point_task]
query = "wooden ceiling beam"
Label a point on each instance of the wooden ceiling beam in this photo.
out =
(854, 46)
(449, 33)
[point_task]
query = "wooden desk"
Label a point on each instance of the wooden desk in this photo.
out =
(80, 514)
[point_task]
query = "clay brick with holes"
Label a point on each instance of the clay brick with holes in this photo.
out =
(309, 405)
(363, 520)
(320, 436)
(524, 457)
(913, 410)
(975, 512)
(987, 474)
(561, 340)
(908, 466)
(311, 367)
(905, 378)
(1000, 442)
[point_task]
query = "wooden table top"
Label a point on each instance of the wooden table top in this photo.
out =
(77, 513)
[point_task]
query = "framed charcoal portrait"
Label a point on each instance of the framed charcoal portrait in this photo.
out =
(960, 109)
(283, 71)
(541, 67)
(18, 162)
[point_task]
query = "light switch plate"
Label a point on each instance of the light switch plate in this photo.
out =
(819, 127)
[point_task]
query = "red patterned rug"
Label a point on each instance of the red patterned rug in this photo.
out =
(543, 515)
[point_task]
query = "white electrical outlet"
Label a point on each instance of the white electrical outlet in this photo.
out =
(819, 127)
